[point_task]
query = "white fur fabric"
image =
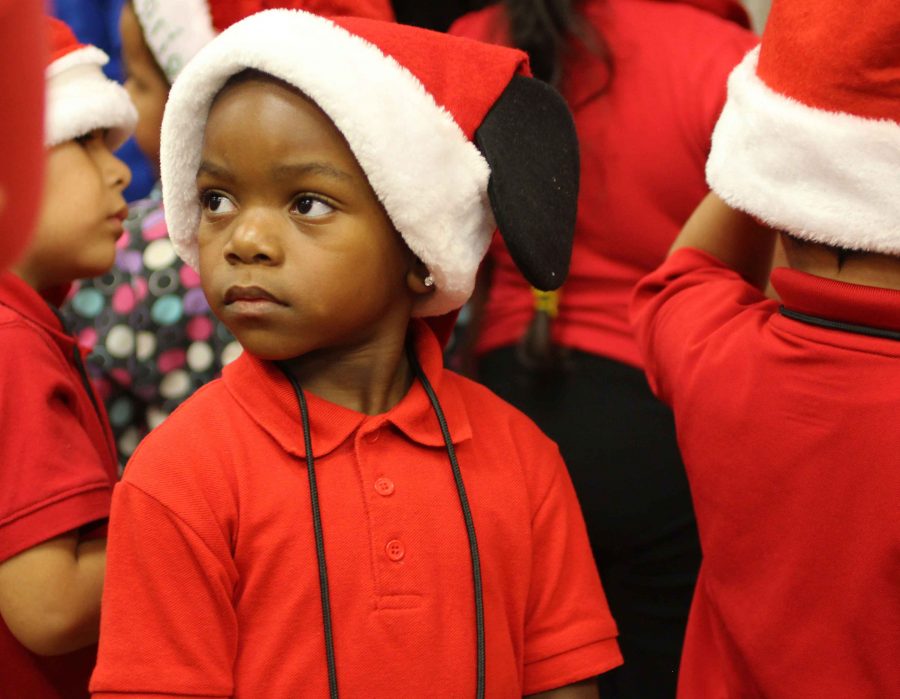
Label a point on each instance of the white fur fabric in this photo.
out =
(823, 176)
(80, 99)
(430, 178)
(175, 30)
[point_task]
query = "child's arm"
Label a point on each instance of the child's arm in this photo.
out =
(579, 690)
(735, 238)
(50, 594)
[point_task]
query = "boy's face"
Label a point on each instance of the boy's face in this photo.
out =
(146, 84)
(296, 252)
(81, 214)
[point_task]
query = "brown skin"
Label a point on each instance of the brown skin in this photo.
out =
(146, 84)
(288, 210)
(866, 268)
(81, 216)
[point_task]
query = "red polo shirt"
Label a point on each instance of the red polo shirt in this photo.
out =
(790, 439)
(212, 587)
(57, 466)
(644, 143)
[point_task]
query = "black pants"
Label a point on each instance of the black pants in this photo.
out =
(619, 445)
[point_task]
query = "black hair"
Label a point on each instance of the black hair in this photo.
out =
(544, 29)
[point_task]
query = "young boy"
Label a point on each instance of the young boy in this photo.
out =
(339, 514)
(787, 414)
(57, 460)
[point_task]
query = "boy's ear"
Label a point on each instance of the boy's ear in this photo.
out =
(529, 141)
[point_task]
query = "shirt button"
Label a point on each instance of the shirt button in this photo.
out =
(395, 550)
(384, 486)
(373, 435)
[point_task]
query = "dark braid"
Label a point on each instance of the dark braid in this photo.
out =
(544, 29)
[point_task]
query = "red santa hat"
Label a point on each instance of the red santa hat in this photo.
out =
(451, 133)
(80, 98)
(809, 139)
(175, 30)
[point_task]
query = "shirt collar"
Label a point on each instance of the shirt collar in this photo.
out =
(25, 301)
(266, 395)
(838, 301)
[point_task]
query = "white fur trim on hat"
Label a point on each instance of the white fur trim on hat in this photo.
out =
(175, 30)
(430, 178)
(827, 177)
(81, 99)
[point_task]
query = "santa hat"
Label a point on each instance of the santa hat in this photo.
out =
(451, 134)
(80, 98)
(175, 30)
(809, 139)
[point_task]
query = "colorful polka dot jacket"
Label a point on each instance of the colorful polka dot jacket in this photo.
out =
(152, 338)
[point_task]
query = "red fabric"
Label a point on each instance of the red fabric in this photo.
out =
(643, 150)
(22, 63)
(835, 55)
(212, 586)
(227, 12)
(726, 9)
(58, 467)
(790, 440)
(61, 39)
(466, 88)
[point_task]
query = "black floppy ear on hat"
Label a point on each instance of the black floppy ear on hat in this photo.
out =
(529, 141)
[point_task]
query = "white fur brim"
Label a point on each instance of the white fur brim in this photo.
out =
(827, 177)
(81, 99)
(430, 178)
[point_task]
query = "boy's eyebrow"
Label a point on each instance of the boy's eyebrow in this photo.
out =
(208, 168)
(311, 168)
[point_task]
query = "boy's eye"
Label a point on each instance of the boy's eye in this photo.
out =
(89, 137)
(312, 207)
(216, 203)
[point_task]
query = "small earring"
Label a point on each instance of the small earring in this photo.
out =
(428, 281)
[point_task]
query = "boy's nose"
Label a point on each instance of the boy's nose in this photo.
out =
(118, 173)
(253, 242)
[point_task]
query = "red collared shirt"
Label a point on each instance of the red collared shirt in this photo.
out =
(644, 139)
(212, 585)
(57, 465)
(790, 438)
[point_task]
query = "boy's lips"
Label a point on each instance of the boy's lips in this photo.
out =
(249, 293)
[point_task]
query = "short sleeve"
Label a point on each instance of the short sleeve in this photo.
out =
(52, 480)
(168, 625)
(569, 632)
(677, 309)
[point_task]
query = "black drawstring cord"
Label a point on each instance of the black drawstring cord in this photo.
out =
(317, 532)
(839, 325)
(470, 524)
(320, 541)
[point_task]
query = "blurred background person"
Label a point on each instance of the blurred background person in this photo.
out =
(646, 80)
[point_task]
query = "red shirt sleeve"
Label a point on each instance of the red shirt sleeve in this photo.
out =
(52, 480)
(178, 638)
(569, 632)
(680, 307)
